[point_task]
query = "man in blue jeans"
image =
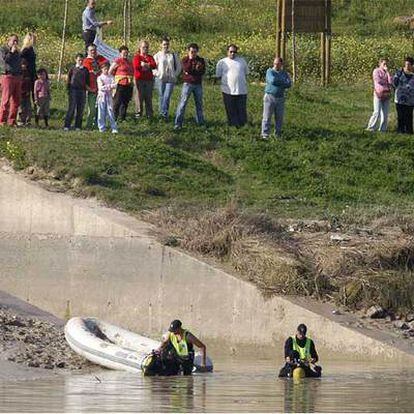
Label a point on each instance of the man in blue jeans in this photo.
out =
(166, 74)
(194, 68)
(277, 81)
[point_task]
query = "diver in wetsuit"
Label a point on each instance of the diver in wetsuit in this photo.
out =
(300, 351)
(177, 349)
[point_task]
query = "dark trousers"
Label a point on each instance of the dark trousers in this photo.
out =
(405, 119)
(88, 37)
(144, 96)
(122, 98)
(236, 109)
(77, 99)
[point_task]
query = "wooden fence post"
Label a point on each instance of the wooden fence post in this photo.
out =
(62, 48)
(283, 34)
(129, 20)
(328, 41)
(125, 9)
(323, 59)
(293, 43)
(278, 27)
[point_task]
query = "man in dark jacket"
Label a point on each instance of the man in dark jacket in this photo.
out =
(300, 351)
(194, 67)
(11, 82)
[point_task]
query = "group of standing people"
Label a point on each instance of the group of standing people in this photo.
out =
(144, 72)
(162, 71)
(24, 89)
(402, 83)
(105, 89)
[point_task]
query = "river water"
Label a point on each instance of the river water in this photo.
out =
(237, 385)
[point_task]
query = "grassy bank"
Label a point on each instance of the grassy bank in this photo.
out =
(326, 162)
(269, 210)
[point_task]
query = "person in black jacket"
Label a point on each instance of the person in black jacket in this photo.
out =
(300, 351)
(78, 84)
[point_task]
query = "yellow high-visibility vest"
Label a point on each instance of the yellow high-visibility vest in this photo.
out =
(304, 353)
(181, 347)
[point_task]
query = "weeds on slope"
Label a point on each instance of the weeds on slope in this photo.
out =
(258, 247)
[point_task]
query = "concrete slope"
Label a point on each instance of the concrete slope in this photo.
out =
(58, 252)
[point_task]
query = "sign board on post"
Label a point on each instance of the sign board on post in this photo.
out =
(310, 16)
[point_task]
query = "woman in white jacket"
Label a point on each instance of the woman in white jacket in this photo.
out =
(167, 72)
(106, 84)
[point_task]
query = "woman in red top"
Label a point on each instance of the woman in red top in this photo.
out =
(143, 64)
(123, 71)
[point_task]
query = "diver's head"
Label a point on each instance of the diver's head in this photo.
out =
(175, 326)
(301, 331)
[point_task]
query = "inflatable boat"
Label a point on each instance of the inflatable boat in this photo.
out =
(113, 347)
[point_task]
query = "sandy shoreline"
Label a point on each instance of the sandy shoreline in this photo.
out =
(32, 343)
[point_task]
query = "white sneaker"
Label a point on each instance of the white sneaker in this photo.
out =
(115, 131)
(66, 129)
(264, 136)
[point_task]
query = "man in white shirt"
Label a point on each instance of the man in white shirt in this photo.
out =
(232, 71)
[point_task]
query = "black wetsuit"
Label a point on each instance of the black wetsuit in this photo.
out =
(287, 370)
(174, 362)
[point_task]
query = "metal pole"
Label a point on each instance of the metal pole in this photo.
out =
(62, 48)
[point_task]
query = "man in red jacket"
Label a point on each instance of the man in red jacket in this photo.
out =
(143, 64)
(194, 67)
(93, 63)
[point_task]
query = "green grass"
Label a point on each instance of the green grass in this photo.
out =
(368, 17)
(325, 164)
(363, 31)
(198, 17)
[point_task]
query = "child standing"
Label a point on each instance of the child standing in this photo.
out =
(78, 84)
(106, 83)
(25, 112)
(42, 97)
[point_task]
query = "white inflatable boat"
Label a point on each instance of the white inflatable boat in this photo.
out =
(111, 346)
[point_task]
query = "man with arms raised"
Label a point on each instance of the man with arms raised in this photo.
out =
(90, 24)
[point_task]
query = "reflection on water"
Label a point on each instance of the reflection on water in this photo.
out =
(237, 385)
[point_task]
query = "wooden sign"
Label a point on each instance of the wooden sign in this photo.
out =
(307, 16)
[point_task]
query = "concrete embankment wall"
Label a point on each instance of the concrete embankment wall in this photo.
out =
(55, 249)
